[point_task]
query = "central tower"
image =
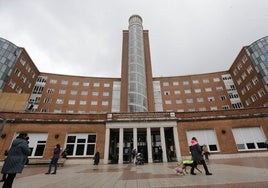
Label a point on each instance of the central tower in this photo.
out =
(136, 80)
(137, 94)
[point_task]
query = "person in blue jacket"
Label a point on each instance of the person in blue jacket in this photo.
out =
(16, 159)
(54, 160)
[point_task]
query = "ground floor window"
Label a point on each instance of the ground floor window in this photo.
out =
(81, 145)
(37, 143)
(204, 137)
(250, 138)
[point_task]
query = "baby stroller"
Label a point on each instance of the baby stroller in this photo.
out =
(139, 159)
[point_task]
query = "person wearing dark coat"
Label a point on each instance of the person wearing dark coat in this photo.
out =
(54, 160)
(97, 158)
(16, 159)
(197, 157)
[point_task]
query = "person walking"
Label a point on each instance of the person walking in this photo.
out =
(205, 151)
(97, 158)
(54, 160)
(197, 157)
(16, 159)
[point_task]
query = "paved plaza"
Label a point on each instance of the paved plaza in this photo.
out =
(231, 173)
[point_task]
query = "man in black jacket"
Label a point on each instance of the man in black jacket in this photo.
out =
(196, 153)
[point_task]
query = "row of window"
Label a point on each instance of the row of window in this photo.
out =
(75, 92)
(197, 90)
(76, 145)
(176, 83)
(76, 83)
(254, 97)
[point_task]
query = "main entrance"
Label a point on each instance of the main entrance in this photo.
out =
(157, 142)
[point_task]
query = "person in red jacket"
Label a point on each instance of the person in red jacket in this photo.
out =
(197, 157)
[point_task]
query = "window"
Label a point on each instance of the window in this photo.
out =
(168, 102)
(208, 89)
(177, 92)
(47, 100)
(85, 83)
(84, 93)
(175, 83)
(83, 102)
(225, 107)
(255, 80)
(12, 84)
(94, 103)
(185, 82)
(165, 83)
(18, 89)
(178, 101)
(249, 69)
(200, 99)
(81, 145)
(244, 59)
(69, 111)
(71, 102)
(62, 91)
(73, 92)
(223, 97)
(95, 93)
(59, 101)
(251, 138)
(210, 99)
(166, 92)
(187, 91)
(105, 94)
(104, 103)
(235, 72)
(23, 78)
(237, 105)
(261, 92)
(219, 88)
(205, 81)
(75, 83)
(254, 97)
(64, 82)
(50, 90)
(37, 144)
(22, 61)
(239, 81)
(207, 137)
(243, 91)
(244, 75)
(248, 86)
(106, 85)
(96, 84)
(195, 81)
(189, 100)
(17, 72)
(239, 66)
(213, 108)
(198, 90)
(52, 81)
(216, 79)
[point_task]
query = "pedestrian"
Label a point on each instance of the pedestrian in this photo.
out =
(16, 159)
(4, 176)
(160, 154)
(54, 160)
(134, 153)
(97, 158)
(205, 151)
(197, 157)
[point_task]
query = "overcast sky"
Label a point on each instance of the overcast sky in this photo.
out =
(84, 37)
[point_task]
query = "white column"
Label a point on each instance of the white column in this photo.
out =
(177, 143)
(107, 146)
(135, 139)
(163, 144)
(121, 144)
(149, 145)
